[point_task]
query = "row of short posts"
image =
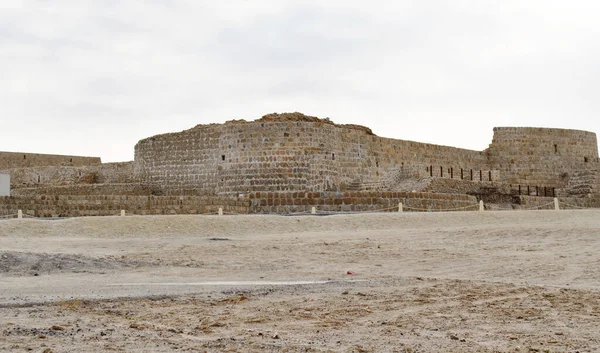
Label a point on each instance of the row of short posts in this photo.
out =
(481, 206)
(314, 209)
(538, 190)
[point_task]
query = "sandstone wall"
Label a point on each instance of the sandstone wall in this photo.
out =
(353, 201)
(106, 205)
(290, 155)
(66, 175)
(540, 156)
(90, 189)
(9, 160)
(259, 202)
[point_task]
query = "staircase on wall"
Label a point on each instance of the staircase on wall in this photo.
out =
(582, 183)
(392, 180)
(400, 179)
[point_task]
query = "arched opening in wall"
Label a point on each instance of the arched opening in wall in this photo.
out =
(555, 148)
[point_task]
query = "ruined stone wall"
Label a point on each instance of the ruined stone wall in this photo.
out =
(258, 202)
(367, 159)
(541, 156)
(10, 160)
(90, 189)
(67, 175)
(111, 205)
(287, 155)
(357, 201)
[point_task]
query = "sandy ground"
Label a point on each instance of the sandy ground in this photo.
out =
(520, 281)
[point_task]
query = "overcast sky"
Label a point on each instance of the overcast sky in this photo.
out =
(92, 77)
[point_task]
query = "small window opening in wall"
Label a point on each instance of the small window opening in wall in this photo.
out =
(377, 164)
(555, 148)
(585, 159)
(80, 173)
(222, 157)
(427, 169)
(39, 179)
(24, 157)
(285, 134)
(70, 160)
(333, 156)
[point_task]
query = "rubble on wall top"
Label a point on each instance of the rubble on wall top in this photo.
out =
(297, 116)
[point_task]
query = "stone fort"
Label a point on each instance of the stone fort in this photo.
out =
(292, 162)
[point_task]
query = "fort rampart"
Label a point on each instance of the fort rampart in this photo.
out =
(10, 160)
(541, 156)
(106, 173)
(289, 155)
(293, 154)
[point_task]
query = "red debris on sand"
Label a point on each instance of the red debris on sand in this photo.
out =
(350, 273)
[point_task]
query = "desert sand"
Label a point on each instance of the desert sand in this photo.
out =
(512, 281)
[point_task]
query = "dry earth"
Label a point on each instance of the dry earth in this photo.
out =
(521, 281)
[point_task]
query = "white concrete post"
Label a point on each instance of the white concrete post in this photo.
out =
(220, 211)
(122, 213)
(313, 210)
(481, 208)
(400, 208)
(556, 205)
(19, 214)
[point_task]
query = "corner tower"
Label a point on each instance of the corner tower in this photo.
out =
(541, 156)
